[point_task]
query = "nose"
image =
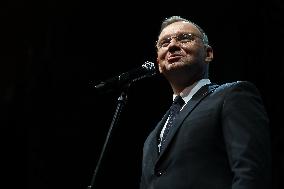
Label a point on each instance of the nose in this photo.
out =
(174, 45)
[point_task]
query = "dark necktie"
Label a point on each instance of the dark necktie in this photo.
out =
(173, 112)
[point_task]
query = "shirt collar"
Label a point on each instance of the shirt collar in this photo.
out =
(189, 91)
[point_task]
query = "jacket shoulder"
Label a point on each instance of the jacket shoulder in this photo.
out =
(237, 85)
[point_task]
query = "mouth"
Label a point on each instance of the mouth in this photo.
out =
(174, 58)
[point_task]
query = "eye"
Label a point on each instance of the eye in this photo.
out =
(185, 37)
(164, 42)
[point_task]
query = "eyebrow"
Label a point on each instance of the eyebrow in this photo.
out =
(179, 33)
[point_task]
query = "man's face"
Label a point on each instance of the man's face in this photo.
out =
(180, 50)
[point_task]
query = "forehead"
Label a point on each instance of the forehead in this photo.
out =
(179, 27)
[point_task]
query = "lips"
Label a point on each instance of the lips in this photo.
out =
(174, 58)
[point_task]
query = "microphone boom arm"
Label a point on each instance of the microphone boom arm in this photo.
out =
(147, 69)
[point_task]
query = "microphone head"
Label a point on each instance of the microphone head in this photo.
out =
(147, 69)
(150, 68)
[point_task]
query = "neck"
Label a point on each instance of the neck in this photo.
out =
(179, 81)
(178, 85)
(178, 88)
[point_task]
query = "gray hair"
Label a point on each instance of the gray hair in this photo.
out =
(174, 19)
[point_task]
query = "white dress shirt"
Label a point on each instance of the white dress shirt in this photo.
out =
(186, 95)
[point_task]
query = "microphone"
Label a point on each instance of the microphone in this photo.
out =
(147, 69)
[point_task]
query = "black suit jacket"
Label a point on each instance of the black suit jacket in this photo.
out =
(220, 140)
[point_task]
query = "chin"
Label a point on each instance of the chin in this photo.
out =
(175, 65)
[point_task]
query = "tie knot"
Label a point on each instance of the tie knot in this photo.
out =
(176, 105)
(178, 100)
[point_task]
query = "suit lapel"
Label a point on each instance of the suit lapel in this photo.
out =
(191, 104)
(153, 140)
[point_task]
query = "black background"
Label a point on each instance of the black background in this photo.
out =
(53, 121)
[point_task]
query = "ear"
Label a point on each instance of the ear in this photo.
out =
(209, 54)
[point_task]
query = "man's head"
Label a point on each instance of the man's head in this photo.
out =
(183, 51)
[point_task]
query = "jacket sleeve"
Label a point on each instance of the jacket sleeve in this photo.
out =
(247, 137)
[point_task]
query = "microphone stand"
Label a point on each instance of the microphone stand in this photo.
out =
(121, 102)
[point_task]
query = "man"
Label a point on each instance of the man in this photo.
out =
(219, 137)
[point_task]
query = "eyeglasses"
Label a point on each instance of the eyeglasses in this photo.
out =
(182, 38)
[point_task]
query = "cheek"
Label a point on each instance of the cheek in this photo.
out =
(161, 55)
(160, 63)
